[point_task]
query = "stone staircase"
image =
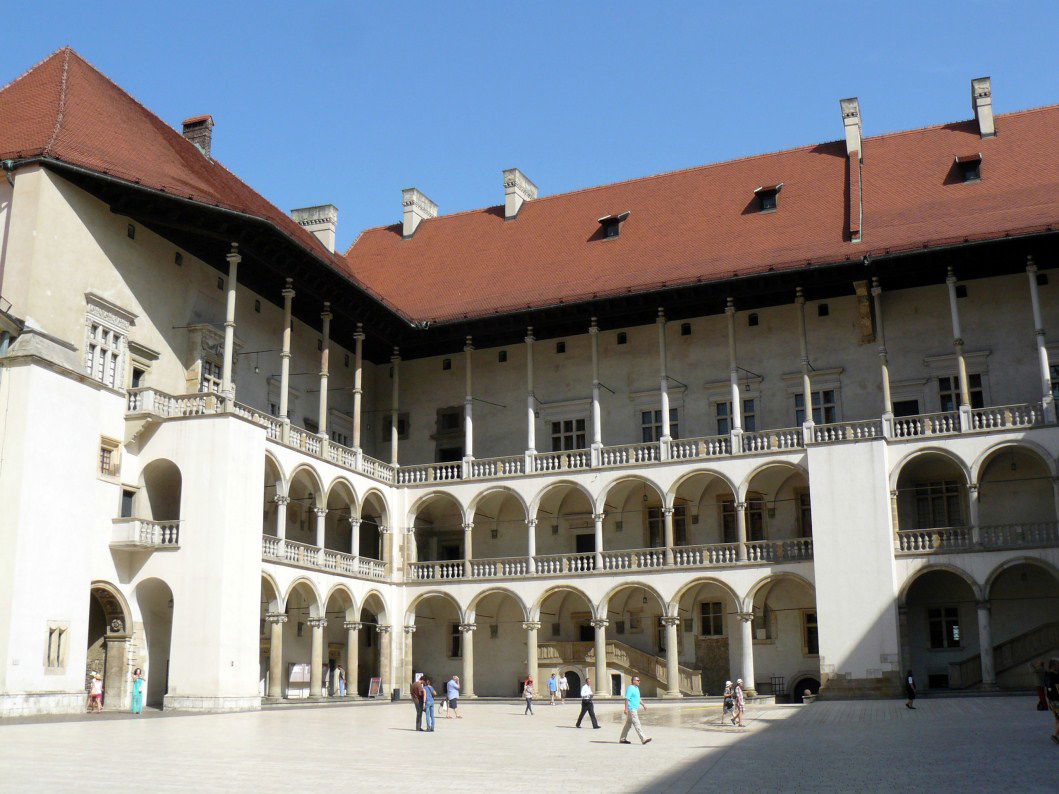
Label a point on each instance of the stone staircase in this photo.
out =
(1006, 655)
(623, 657)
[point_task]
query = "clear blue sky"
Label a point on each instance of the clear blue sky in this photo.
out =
(348, 102)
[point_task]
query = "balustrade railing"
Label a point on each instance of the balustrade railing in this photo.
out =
(503, 567)
(145, 533)
(429, 472)
(324, 559)
(498, 467)
(848, 431)
(711, 554)
(633, 559)
(564, 563)
(1020, 535)
(562, 461)
(936, 539)
(627, 454)
(427, 571)
(1007, 416)
(773, 440)
(695, 448)
(269, 546)
(776, 550)
(940, 424)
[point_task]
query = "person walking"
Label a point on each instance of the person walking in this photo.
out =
(527, 692)
(564, 687)
(418, 696)
(341, 675)
(728, 713)
(633, 704)
(137, 692)
(740, 703)
(910, 689)
(429, 693)
(586, 705)
(452, 691)
(553, 687)
(95, 693)
(1051, 692)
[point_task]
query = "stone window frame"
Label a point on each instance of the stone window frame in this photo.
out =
(112, 446)
(945, 366)
(56, 647)
(651, 400)
(820, 380)
(721, 392)
(118, 322)
(702, 629)
(805, 612)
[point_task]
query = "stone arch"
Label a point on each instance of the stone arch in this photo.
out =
(342, 487)
(382, 614)
(671, 494)
(601, 608)
(424, 499)
(535, 503)
(376, 497)
(410, 613)
(984, 458)
(674, 602)
(114, 605)
(472, 607)
(154, 600)
(795, 468)
(902, 464)
(276, 603)
(312, 481)
(308, 590)
(472, 506)
(535, 609)
(902, 594)
(772, 578)
(631, 481)
(341, 504)
(281, 482)
(159, 497)
(352, 610)
(987, 588)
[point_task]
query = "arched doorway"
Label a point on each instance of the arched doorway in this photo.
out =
(159, 496)
(566, 638)
(438, 642)
(109, 633)
(711, 610)
(302, 608)
(939, 626)
(1014, 493)
(273, 491)
(370, 661)
(777, 508)
(341, 508)
(500, 642)
(339, 612)
(1023, 617)
(803, 686)
(783, 632)
(155, 602)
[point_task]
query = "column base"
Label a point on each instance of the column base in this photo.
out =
(671, 696)
(193, 703)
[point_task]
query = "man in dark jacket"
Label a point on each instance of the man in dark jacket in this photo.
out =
(417, 700)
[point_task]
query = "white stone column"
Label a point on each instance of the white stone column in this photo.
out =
(275, 622)
(358, 382)
(325, 355)
(972, 513)
(667, 526)
(957, 343)
(385, 659)
(736, 414)
(671, 622)
(395, 361)
(884, 360)
(531, 408)
(531, 628)
(284, 361)
(597, 519)
(467, 677)
(352, 655)
(281, 517)
(985, 646)
(406, 660)
(468, 547)
(384, 547)
(321, 525)
(531, 546)
(746, 625)
(1048, 400)
(602, 679)
(227, 388)
(468, 404)
(664, 383)
(740, 528)
(317, 657)
(354, 535)
(597, 420)
(807, 389)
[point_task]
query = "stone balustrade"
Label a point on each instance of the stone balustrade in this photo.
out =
(302, 554)
(145, 533)
(958, 540)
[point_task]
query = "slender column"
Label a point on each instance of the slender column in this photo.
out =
(467, 646)
(602, 679)
(354, 535)
(1055, 495)
(747, 668)
(531, 545)
(664, 379)
(597, 518)
(385, 657)
(468, 402)
(407, 658)
(317, 657)
(807, 389)
(227, 389)
(384, 545)
(358, 381)
(395, 361)
(325, 355)
(972, 513)
(905, 639)
(672, 656)
(468, 547)
(284, 360)
(957, 343)
(531, 408)
(985, 646)
(667, 525)
(281, 516)
(895, 520)
(740, 528)
(733, 373)
(275, 621)
(1048, 400)
(884, 361)
(597, 421)
(321, 525)
(531, 628)
(352, 655)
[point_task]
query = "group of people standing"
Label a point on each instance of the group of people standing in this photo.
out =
(558, 686)
(425, 698)
(734, 703)
(95, 692)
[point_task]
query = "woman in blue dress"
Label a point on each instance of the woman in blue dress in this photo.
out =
(137, 691)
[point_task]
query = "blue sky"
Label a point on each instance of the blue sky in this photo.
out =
(348, 102)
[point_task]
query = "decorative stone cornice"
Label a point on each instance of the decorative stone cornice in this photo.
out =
(318, 623)
(276, 617)
(599, 623)
(352, 625)
(531, 625)
(468, 627)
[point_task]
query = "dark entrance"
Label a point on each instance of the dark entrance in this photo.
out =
(804, 684)
(574, 680)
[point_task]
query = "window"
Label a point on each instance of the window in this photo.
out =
(127, 498)
(823, 310)
(810, 634)
(944, 626)
(501, 357)
(220, 282)
(211, 379)
(455, 641)
(448, 419)
(685, 329)
(179, 259)
(108, 457)
(823, 407)
(402, 427)
(768, 197)
(137, 377)
(130, 232)
(651, 425)
(556, 630)
(961, 290)
(724, 417)
(257, 306)
(610, 225)
(568, 434)
(755, 519)
(57, 641)
(949, 392)
(343, 438)
(938, 505)
(906, 407)
(345, 360)
(969, 167)
(494, 631)
(446, 364)
(623, 338)
(1042, 279)
(104, 354)
(752, 319)
(805, 514)
(654, 522)
(560, 347)
(712, 619)
(762, 623)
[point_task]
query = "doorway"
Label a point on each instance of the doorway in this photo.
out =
(615, 684)
(574, 680)
(155, 600)
(586, 544)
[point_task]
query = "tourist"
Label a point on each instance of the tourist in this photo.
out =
(1051, 691)
(95, 693)
(553, 688)
(527, 692)
(417, 700)
(586, 705)
(564, 687)
(910, 689)
(137, 692)
(452, 692)
(429, 693)
(633, 704)
(340, 674)
(740, 702)
(728, 713)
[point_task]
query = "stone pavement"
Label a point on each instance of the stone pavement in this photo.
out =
(945, 745)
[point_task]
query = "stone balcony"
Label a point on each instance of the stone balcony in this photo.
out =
(143, 534)
(302, 555)
(963, 540)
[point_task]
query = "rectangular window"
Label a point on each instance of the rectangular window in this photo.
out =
(906, 407)
(108, 457)
(387, 422)
(449, 419)
(656, 526)
(949, 392)
(211, 378)
(724, 417)
(340, 438)
(1054, 373)
(651, 425)
(755, 520)
(712, 618)
(944, 625)
(127, 498)
(104, 348)
(456, 641)
(810, 634)
(938, 504)
(805, 514)
(824, 412)
(568, 434)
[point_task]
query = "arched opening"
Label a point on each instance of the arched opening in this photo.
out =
(369, 654)
(564, 527)
(1014, 490)
(302, 605)
(939, 626)
(499, 520)
(1024, 620)
(159, 495)
(784, 633)
(777, 506)
(155, 602)
(633, 518)
(439, 537)
(341, 508)
(437, 644)
(338, 611)
(709, 626)
(566, 638)
(703, 504)
(372, 516)
(932, 494)
(270, 608)
(638, 636)
(306, 497)
(500, 641)
(109, 631)
(805, 686)
(273, 487)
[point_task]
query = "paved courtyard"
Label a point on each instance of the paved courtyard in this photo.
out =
(946, 744)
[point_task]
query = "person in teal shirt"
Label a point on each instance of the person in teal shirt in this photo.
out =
(633, 704)
(137, 691)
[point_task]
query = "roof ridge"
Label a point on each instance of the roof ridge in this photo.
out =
(34, 67)
(63, 84)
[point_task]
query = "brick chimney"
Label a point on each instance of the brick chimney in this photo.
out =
(517, 191)
(417, 208)
(199, 130)
(321, 221)
(982, 102)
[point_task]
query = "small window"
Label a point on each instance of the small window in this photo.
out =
(724, 416)
(455, 641)
(501, 357)
(494, 534)
(768, 197)
(220, 282)
(449, 420)
(822, 310)
(179, 259)
(130, 232)
(949, 392)
(824, 407)
(57, 643)
(127, 497)
(446, 364)
(556, 630)
(568, 434)
(969, 167)
(944, 627)
(138, 375)
(494, 631)
(623, 338)
(712, 614)
(961, 290)
(108, 457)
(651, 425)
(685, 329)
(560, 347)
(810, 634)
(752, 319)
(1042, 279)
(402, 427)
(610, 225)
(257, 306)
(345, 360)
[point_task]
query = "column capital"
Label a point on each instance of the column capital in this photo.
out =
(409, 630)
(396, 355)
(667, 511)
(321, 512)
(598, 516)
(972, 488)
(875, 288)
(529, 335)
(729, 306)
(276, 617)
(740, 505)
(599, 623)
(352, 625)
(288, 289)
(466, 628)
(468, 345)
(593, 328)
(746, 617)
(894, 493)
(281, 499)
(384, 530)
(661, 318)
(382, 628)
(318, 623)
(957, 341)
(950, 275)
(670, 620)
(983, 605)
(359, 333)
(468, 526)
(531, 523)
(409, 530)
(354, 521)
(799, 296)
(1031, 266)
(326, 313)
(531, 625)
(233, 255)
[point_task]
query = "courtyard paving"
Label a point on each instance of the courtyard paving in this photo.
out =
(981, 744)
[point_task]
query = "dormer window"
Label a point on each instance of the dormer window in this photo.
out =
(610, 225)
(969, 166)
(768, 197)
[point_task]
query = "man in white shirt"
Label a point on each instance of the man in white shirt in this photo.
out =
(586, 705)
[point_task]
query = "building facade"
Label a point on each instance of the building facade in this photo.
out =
(789, 419)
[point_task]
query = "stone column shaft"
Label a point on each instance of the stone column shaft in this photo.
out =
(531, 408)
(985, 645)
(409, 672)
(352, 655)
(229, 326)
(385, 660)
(672, 656)
(325, 355)
(736, 414)
(602, 679)
(740, 528)
(317, 657)
(531, 545)
(597, 519)
(957, 341)
(281, 515)
(395, 361)
(275, 653)
(468, 402)
(667, 526)
(321, 525)
(884, 361)
(354, 539)
(531, 628)
(747, 667)
(468, 547)
(807, 389)
(358, 382)
(467, 677)
(597, 421)
(1047, 398)
(664, 379)
(284, 357)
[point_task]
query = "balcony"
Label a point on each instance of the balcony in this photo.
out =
(142, 534)
(303, 555)
(962, 540)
